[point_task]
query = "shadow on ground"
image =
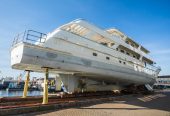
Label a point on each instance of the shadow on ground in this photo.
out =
(158, 100)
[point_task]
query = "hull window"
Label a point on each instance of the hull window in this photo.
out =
(94, 54)
(107, 58)
(122, 51)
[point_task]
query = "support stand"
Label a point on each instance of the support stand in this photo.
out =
(26, 85)
(45, 94)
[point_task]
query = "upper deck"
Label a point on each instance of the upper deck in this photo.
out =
(112, 38)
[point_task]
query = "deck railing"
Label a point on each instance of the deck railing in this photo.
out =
(30, 36)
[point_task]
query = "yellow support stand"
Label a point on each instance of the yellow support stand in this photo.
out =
(45, 94)
(26, 85)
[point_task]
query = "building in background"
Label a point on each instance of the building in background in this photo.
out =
(162, 82)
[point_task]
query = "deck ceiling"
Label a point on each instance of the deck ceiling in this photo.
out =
(131, 51)
(130, 40)
(115, 32)
(75, 28)
(85, 32)
(145, 50)
(147, 60)
(101, 39)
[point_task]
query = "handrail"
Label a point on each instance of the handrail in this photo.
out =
(31, 36)
(37, 32)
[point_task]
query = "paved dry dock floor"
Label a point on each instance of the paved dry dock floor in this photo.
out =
(148, 105)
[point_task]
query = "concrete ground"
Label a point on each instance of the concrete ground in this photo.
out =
(157, 104)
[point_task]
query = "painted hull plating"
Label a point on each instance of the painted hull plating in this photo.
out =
(26, 56)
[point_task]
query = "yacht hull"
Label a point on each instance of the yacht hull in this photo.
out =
(25, 56)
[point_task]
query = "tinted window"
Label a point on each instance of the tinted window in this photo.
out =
(94, 54)
(107, 58)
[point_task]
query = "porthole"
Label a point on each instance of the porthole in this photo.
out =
(124, 62)
(94, 54)
(120, 61)
(122, 51)
(127, 53)
(107, 58)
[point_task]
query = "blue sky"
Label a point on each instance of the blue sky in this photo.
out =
(146, 21)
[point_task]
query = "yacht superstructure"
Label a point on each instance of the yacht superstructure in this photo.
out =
(85, 56)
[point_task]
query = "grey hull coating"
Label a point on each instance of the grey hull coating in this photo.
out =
(34, 58)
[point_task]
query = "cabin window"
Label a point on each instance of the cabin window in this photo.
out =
(127, 42)
(94, 54)
(124, 62)
(145, 64)
(120, 61)
(127, 53)
(122, 51)
(107, 58)
(134, 56)
(105, 44)
(112, 44)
